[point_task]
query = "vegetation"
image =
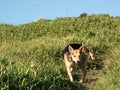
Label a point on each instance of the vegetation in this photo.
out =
(31, 54)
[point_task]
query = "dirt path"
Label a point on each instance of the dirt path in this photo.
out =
(92, 78)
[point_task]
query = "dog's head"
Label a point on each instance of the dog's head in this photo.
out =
(75, 53)
(81, 53)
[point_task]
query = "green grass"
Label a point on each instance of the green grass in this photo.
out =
(31, 54)
(110, 80)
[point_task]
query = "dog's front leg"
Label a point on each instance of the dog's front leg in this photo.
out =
(68, 67)
(70, 74)
(84, 72)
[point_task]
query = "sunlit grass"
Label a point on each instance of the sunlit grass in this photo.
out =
(110, 80)
(31, 54)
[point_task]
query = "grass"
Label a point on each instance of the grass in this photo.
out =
(31, 54)
(110, 80)
(34, 65)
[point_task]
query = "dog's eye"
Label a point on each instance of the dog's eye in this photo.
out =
(74, 55)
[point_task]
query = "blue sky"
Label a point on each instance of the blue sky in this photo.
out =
(26, 11)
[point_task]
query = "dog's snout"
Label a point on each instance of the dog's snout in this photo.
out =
(78, 61)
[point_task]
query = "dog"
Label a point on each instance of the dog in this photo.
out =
(76, 54)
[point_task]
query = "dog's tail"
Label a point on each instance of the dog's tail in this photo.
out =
(92, 56)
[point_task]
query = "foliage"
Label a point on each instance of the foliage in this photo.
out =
(31, 54)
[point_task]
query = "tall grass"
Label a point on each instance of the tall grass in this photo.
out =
(111, 79)
(31, 54)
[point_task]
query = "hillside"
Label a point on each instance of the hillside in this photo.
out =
(31, 54)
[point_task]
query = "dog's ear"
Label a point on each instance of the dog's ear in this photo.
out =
(86, 51)
(81, 48)
(70, 49)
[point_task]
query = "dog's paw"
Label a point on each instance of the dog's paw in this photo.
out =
(73, 82)
(81, 81)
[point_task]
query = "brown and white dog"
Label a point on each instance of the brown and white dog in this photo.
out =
(76, 54)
